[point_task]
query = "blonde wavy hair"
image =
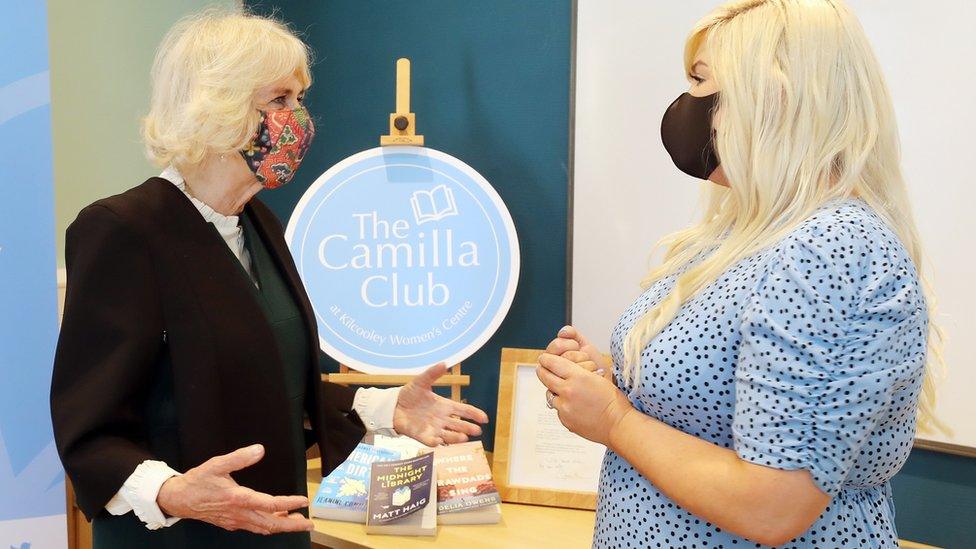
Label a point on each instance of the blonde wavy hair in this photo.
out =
(204, 77)
(804, 118)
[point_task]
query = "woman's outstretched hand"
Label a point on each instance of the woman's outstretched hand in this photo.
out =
(209, 494)
(425, 416)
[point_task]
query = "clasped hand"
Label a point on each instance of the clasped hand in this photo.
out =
(587, 401)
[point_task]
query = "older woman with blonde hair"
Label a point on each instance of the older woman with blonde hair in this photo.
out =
(765, 387)
(187, 366)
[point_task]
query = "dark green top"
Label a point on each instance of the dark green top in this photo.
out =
(291, 335)
(284, 317)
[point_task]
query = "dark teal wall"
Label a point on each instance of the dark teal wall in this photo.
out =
(935, 500)
(491, 87)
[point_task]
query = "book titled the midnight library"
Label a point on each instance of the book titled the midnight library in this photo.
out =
(401, 497)
(466, 493)
(342, 494)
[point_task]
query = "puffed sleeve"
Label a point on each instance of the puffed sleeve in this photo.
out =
(829, 336)
(110, 338)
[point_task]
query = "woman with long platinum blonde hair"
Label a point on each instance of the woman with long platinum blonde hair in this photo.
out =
(766, 385)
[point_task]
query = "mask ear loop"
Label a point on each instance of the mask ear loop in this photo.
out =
(711, 150)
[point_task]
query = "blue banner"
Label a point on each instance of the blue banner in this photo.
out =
(32, 504)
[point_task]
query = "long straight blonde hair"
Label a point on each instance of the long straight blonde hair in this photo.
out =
(804, 118)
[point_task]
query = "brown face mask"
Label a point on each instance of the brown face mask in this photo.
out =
(687, 134)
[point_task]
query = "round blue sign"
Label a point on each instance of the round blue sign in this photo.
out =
(409, 257)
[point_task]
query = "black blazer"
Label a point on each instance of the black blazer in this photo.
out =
(154, 298)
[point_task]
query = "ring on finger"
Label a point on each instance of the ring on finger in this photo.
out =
(550, 396)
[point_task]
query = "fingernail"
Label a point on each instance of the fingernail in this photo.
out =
(600, 371)
(564, 330)
(256, 450)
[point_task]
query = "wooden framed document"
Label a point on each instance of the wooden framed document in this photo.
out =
(536, 459)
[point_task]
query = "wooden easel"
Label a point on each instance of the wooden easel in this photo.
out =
(402, 132)
(402, 122)
(348, 376)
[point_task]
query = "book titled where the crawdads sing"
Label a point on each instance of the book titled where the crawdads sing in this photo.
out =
(466, 493)
(401, 497)
(342, 494)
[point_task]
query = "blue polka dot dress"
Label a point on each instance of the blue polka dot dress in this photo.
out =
(808, 355)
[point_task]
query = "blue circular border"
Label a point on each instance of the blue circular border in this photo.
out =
(463, 176)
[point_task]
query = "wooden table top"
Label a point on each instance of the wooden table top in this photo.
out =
(521, 526)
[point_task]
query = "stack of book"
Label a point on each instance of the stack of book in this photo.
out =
(399, 486)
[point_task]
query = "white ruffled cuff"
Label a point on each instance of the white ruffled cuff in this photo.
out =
(375, 407)
(138, 494)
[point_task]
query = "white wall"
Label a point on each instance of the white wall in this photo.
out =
(628, 193)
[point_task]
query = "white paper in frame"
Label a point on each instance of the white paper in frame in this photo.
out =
(537, 460)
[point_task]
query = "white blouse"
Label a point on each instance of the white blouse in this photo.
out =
(138, 494)
(227, 225)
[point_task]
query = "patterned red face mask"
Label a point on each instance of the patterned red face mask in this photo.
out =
(280, 143)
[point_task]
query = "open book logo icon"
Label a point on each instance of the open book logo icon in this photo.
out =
(433, 205)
